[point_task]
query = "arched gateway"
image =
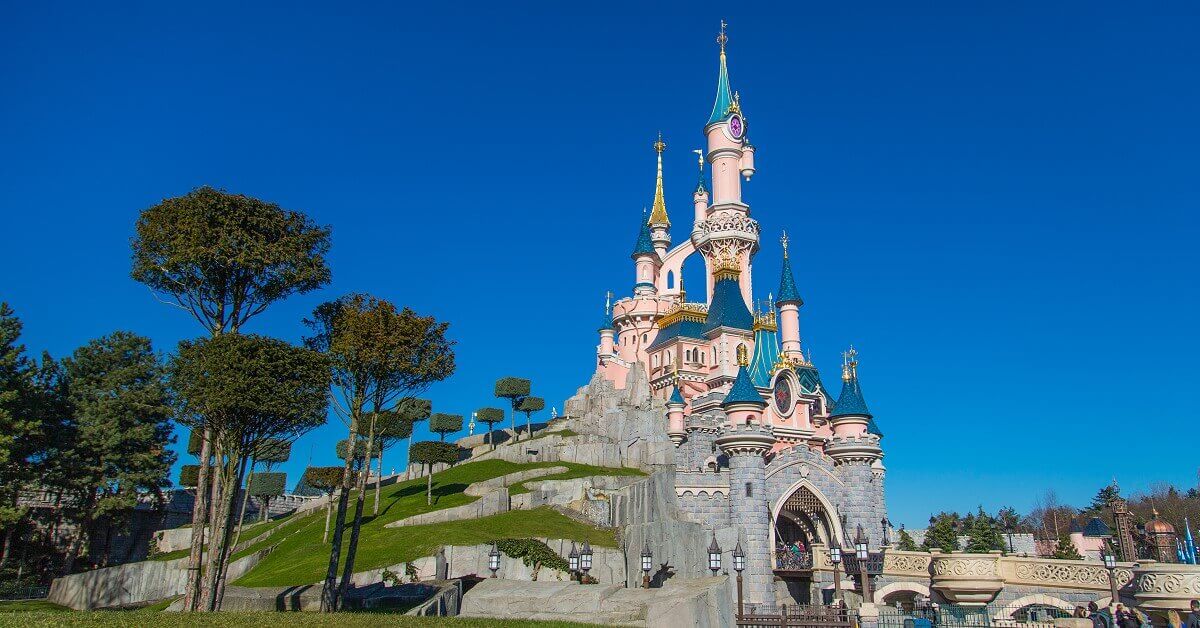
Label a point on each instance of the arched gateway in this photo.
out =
(800, 518)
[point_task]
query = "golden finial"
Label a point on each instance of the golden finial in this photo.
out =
(743, 356)
(658, 214)
(682, 292)
(849, 364)
(659, 144)
(722, 38)
(735, 104)
(784, 241)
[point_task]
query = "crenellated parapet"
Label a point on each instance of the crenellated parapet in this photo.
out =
(746, 440)
(861, 449)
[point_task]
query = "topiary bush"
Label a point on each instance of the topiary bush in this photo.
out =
(273, 451)
(360, 449)
(323, 478)
(269, 484)
(443, 424)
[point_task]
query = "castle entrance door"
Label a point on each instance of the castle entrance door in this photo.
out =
(802, 519)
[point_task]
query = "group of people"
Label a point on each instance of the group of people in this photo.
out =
(1124, 617)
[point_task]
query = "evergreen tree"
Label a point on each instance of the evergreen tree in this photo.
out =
(514, 389)
(394, 426)
(490, 417)
(530, 405)
(906, 542)
(443, 424)
(1100, 503)
(18, 427)
(1065, 550)
(984, 535)
(942, 533)
(118, 432)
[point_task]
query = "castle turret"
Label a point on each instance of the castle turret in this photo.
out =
(676, 430)
(660, 226)
(645, 259)
(855, 435)
(745, 440)
(607, 343)
(700, 197)
(789, 303)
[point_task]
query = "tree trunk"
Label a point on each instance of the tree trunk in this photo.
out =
(266, 508)
(378, 479)
(222, 505)
(528, 426)
(329, 598)
(235, 470)
(328, 515)
(245, 499)
(352, 549)
(429, 485)
(512, 415)
(191, 597)
(7, 545)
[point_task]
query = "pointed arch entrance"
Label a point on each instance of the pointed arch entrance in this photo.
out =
(801, 518)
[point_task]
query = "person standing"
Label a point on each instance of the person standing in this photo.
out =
(1193, 618)
(1099, 616)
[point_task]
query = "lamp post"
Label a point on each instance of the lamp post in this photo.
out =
(835, 558)
(1110, 563)
(647, 565)
(714, 555)
(1008, 527)
(494, 559)
(739, 563)
(573, 561)
(585, 559)
(861, 553)
(887, 535)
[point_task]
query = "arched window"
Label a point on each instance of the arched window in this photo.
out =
(645, 337)
(670, 279)
(668, 357)
(702, 354)
(655, 359)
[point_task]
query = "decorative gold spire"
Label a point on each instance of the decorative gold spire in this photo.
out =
(682, 292)
(849, 364)
(658, 214)
(722, 38)
(726, 266)
(784, 241)
(743, 355)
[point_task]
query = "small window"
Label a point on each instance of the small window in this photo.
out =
(749, 490)
(645, 337)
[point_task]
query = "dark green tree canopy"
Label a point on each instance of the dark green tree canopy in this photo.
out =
(433, 452)
(512, 387)
(250, 388)
(489, 415)
(1066, 550)
(984, 534)
(906, 542)
(323, 478)
(188, 475)
(195, 442)
(942, 533)
(20, 429)
(226, 257)
(391, 427)
(532, 404)
(360, 449)
(443, 424)
(414, 409)
(121, 422)
(273, 451)
(269, 484)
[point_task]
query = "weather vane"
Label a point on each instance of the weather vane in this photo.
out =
(659, 144)
(784, 241)
(722, 38)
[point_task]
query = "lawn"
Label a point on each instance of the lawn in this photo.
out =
(253, 531)
(301, 557)
(138, 619)
(573, 471)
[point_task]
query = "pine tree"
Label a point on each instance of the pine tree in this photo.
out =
(984, 535)
(942, 533)
(906, 543)
(1065, 550)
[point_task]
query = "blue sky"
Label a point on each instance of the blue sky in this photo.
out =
(994, 202)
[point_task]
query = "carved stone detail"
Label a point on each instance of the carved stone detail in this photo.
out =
(1166, 586)
(967, 579)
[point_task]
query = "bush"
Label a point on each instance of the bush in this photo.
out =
(360, 449)
(434, 452)
(531, 552)
(529, 405)
(489, 415)
(268, 484)
(189, 475)
(195, 442)
(273, 451)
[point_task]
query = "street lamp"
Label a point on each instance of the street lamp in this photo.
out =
(739, 563)
(647, 565)
(835, 558)
(887, 536)
(863, 555)
(585, 557)
(1110, 563)
(714, 555)
(494, 559)
(573, 561)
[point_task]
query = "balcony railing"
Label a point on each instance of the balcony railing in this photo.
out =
(789, 560)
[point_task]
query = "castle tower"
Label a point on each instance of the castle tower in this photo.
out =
(645, 260)
(857, 456)
(607, 343)
(660, 226)
(675, 427)
(700, 197)
(727, 230)
(745, 440)
(789, 303)
(728, 323)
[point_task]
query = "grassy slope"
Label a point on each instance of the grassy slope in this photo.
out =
(573, 471)
(301, 557)
(254, 531)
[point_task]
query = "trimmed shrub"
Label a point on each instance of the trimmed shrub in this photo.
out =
(273, 451)
(443, 424)
(512, 387)
(326, 479)
(268, 484)
(529, 405)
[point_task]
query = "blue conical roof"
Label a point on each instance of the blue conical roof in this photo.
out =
(728, 308)
(787, 285)
(606, 322)
(743, 390)
(851, 400)
(724, 97)
(766, 354)
(676, 396)
(644, 245)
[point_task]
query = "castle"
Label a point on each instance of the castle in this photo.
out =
(760, 443)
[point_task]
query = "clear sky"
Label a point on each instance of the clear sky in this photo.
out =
(994, 202)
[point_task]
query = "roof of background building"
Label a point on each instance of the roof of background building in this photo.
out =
(728, 308)
(676, 396)
(1096, 527)
(766, 354)
(724, 97)
(683, 328)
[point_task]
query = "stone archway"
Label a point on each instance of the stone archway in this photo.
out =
(1037, 599)
(915, 588)
(803, 505)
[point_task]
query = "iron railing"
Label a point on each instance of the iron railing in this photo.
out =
(34, 592)
(791, 560)
(796, 617)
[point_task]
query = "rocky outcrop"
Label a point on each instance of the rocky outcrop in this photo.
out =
(630, 418)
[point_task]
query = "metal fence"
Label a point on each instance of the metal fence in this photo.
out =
(36, 592)
(796, 617)
(943, 615)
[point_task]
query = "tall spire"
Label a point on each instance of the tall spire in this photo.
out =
(658, 212)
(644, 244)
(724, 97)
(787, 283)
(700, 160)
